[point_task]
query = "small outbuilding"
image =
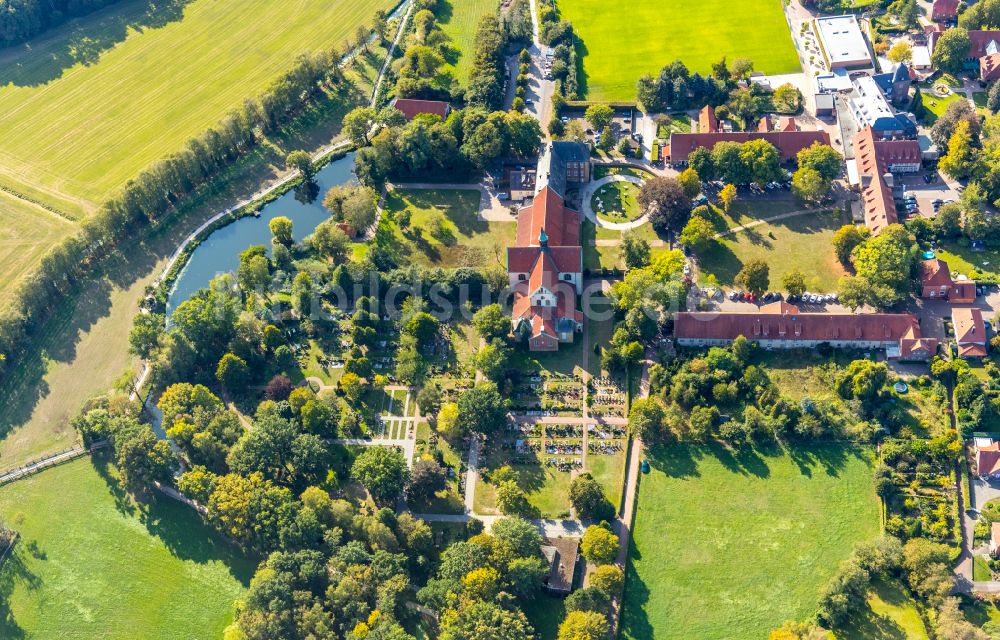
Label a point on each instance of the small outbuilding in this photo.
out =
(561, 555)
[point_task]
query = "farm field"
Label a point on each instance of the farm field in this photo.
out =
(93, 102)
(759, 531)
(27, 232)
(622, 42)
(445, 230)
(802, 242)
(93, 564)
(458, 19)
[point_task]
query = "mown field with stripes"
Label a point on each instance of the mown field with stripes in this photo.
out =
(88, 105)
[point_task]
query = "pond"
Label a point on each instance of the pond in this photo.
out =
(220, 252)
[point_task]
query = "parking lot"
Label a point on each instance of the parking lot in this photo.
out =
(924, 195)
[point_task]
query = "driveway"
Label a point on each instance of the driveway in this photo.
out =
(982, 491)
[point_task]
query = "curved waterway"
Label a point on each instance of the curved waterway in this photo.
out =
(220, 252)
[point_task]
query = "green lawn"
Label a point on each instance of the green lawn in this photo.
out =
(891, 615)
(980, 570)
(620, 43)
(730, 545)
(968, 262)
(546, 487)
(93, 564)
(802, 242)
(618, 200)
(445, 229)
(458, 19)
(934, 107)
(96, 100)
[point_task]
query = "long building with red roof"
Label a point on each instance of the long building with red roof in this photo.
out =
(783, 326)
(545, 267)
(787, 138)
(877, 160)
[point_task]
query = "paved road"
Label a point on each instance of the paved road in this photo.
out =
(471, 475)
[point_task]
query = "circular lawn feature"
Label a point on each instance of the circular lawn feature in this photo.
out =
(617, 202)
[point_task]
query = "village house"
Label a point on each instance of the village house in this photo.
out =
(970, 332)
(786, 137)
(545, 267)
(412, 108)
(936, 283)
(944, 10)
(783, 326)
(987, 458)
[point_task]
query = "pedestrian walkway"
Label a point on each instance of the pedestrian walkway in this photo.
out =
(593, 187)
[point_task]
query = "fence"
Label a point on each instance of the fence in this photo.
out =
(41, 464)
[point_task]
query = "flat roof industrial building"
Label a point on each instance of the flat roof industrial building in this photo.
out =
(843, 43)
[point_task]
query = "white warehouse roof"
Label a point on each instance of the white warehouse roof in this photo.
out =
(843, 41)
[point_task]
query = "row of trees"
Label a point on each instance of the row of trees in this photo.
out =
(23, 19)
(155, 192)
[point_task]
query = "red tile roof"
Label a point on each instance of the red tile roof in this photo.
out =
(969, 326)
(980, 40)
(988, 460)
(788, 323)
(989, 67)
(963, 292)
(412, 108)
(789, 143)
(707, 122)
(873, 158)
(944, 10)
(548, 211)
(934, 273)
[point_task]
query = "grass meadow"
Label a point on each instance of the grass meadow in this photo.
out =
(802, 242)
(93, 564)
(459, 19)
(622, 42)
(730, 544)
(91, 103)
(27, 232)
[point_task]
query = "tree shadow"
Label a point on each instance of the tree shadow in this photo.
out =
(15, 573)
(676, 461)
(83, 40)
(720, 261)
(634, 619)
(188, 537)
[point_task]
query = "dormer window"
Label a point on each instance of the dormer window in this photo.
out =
(522, 277)
(567, 276)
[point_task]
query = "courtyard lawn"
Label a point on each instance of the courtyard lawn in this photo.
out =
(445, 229)
(93, 564)
(801, 242)
(731, 544)
(459, 19)
(934, 107)
(621, 42)
(618, 200)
